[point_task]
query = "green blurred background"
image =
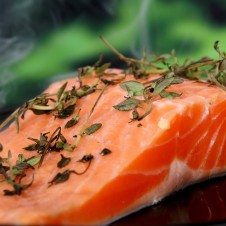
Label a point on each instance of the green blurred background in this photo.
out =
(45, 40)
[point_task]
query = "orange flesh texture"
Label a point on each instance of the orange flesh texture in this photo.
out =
(139, 163)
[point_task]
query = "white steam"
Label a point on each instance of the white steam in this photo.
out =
(13, 49)
(142, 22)
(4, 80)
(17, 35)
(16, 38)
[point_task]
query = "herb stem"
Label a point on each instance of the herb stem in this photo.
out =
(45, 108)
(80, 173)
(84, 126)
(96, 102)
(213, 79)
(55, 136)
(9, 119)
(114, 50)
(120, 55)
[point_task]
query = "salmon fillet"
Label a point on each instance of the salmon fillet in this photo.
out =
(180, 142)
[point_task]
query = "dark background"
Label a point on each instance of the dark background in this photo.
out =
(42, 40)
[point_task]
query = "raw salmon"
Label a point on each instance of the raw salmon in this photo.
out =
(182, 141)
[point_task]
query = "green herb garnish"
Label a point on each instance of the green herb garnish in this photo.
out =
(34, 160)
(98, 68)
(86, 158)
(22, 164)
(14, 174)
(169, 95)
(61, 177)
(20, 168)
(105, 151)
(128, 104)
(45, 144)
(133, 88)
(92, 129)
(64, 176)
(73, 121)
(63, 162)
(17, 188)
(135, 115)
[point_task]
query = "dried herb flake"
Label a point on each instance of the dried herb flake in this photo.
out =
(128, 104)
(61, 177)
(133, 88)
(105, 151)
(86, 158)
(63, 162)
(169, 95)
(17, 188)
(92, 129)
(73, 121)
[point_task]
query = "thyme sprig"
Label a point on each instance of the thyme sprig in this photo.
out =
(63, 162)
(65, 175)
(61, 104)
(138, 67)
(105, 151)
(73, 121)
(84, 126)
(61, 177)
(170, 72)
(98, 68)
(13, 174)
(45, 144)
(204, 69)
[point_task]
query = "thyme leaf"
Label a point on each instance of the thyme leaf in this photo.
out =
(162, 84)
(64, 176)
(92, 129)
(86, 90)
(17, 188)
(128, 104)
(105, 151)
(73, 121)
(65, 112)
(19, 168)
(61, 91)
(169, 95)
(133, 88)
(135, 115)
(34, 160)
(86, 158)
(63, 162)
(23, 164)
(61, 177)
(55, 142)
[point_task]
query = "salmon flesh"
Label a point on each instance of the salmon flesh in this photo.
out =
(133, 164)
